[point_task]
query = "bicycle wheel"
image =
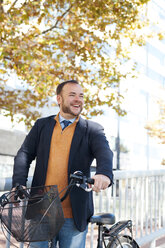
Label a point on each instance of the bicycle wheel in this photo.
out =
(122, 241)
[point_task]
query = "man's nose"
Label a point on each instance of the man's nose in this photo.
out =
(78, 98)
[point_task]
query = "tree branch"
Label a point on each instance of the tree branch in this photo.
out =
(12, 6)
(59, 19)
(6, 57)
(1, 7)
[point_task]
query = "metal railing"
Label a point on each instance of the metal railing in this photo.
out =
(135, 195)
(139, 196)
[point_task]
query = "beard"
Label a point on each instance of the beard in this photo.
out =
(67, 110)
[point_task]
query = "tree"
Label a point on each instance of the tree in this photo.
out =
(46, 42)
(157, 128)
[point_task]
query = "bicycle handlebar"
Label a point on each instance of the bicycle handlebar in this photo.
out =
(81, 181)
(77, 178)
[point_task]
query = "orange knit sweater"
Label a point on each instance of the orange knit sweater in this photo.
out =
(57, 173)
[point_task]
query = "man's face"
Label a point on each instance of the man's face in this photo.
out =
(71, 100)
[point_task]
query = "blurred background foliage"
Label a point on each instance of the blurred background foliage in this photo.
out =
(156, 128)
(46, 42)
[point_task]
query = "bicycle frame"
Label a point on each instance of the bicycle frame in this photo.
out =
(112, 233)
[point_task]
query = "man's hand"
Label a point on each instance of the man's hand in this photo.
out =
(101, 182)
(13, 194)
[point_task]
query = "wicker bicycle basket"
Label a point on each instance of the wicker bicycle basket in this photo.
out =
(38, 218)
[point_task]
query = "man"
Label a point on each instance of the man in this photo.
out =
(60, 151)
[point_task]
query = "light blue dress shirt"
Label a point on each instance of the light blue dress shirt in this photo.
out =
(61, 119)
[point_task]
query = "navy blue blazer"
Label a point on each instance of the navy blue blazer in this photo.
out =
(88, 142)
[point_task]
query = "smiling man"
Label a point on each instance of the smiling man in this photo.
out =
(63, 144)
(70, 98)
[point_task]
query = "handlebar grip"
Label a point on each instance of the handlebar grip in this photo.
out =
(90, 180)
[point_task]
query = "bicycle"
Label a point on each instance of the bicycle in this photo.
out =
(111, 237)
(35, 214)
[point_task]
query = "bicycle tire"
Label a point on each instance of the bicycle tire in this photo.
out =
(122, 241)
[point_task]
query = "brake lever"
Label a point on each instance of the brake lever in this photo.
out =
(84, 187)
(80, 181)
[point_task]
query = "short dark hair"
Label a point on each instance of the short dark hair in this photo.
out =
(61, 85)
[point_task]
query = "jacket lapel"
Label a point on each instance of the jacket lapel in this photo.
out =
(47, 139)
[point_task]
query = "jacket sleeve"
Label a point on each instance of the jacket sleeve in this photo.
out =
(101, 151)
(25, 155)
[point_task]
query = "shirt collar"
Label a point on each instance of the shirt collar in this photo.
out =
(61, 119)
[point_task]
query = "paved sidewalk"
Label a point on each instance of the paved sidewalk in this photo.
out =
(160, 243)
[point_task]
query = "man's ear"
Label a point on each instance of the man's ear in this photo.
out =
(58, 99)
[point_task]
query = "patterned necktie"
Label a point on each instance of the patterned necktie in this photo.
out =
(66, 123)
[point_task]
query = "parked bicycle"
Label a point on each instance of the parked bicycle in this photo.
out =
(35, 214)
